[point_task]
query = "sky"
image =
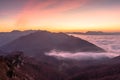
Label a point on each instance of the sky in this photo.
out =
(60, 15)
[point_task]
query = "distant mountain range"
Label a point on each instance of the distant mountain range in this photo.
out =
(95, 33)
(40, 42)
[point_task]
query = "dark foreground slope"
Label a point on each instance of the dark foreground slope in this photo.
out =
(18, 67)
(107, 70)
(43, 41)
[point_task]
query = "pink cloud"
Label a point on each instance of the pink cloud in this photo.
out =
(38, 9)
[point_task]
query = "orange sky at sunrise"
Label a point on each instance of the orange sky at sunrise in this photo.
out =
(60, 15)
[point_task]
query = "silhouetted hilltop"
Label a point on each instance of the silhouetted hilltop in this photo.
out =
(7, 37)
(95, 33)
(102, 33)
(42, 41)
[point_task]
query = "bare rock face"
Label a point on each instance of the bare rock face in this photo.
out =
(42, 41)
(9, 66)
(28, 69)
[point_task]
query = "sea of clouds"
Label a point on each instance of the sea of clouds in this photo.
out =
(111, 43)
(80, 55)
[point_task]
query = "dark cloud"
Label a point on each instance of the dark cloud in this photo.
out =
(103, 3)
(12, 7)
(11, 4)
(96, 4)
(54, 5)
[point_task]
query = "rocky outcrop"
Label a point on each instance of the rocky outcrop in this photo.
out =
(18, 67)
(9, 66)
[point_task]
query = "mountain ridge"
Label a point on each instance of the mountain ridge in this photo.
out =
(44, 41)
